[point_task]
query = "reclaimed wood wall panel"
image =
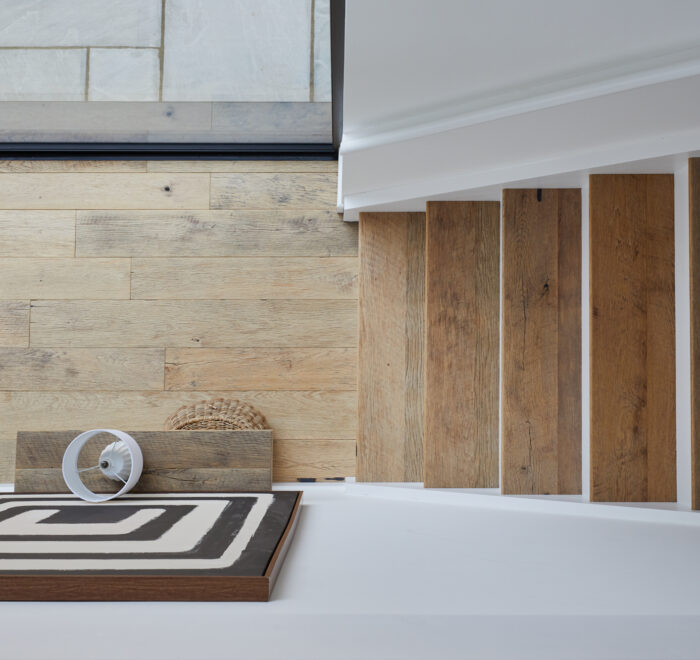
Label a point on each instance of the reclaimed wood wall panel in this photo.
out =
(541, 329)
(318, 459)
(694, 207)
(14, 323)
(462, 344)
(37, 233)
(281, 233)
(633, 384)
(276, 166)
(89, 166)
(390, 381)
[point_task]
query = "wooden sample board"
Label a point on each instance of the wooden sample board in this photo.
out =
(193, 547)
(694, 201)
(390, 378)
(462, 346)
(632, 377)
(173, 461)
(541, 367)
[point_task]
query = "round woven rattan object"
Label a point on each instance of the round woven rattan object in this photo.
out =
(216, 415)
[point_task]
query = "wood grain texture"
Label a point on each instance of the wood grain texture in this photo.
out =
(280, 233)
(274, 191)
(37, 233)
(244, 278)
(261, 368)
(14, 323)
(243, 166)
(390, 378)
(315, 459)
(633, 439)
(462, 345)
(72, 279)
(75, 166)
(694, 206)
(541, 329)
(104, 191)
(205, 323)
(81, 369)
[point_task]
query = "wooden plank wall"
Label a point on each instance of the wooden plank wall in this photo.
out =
(390, 379)
(462, 345)
(633, 385)
(131, 288)
(694, 201)
(541, 367)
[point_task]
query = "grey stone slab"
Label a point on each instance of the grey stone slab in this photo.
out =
(124, 74)
(322, 51)
(25, 23)
(218, 50)
(42, 75)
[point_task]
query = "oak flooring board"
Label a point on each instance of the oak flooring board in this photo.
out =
(7, 456)
(694, 201)
(14, 323)
(541, 328)
(462, 345)
(319, 459)
(632, 338)
(244, 278)
(81, 369)
(194, 323)
(37, 233)
(261, 368)
(73, 166)
(103, 190)
(390, 378)
(243, 166)
(70, 279)
(278, 233)
(274, 191)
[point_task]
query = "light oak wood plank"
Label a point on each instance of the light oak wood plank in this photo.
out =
(261, 368)
(73, 166)
(104, 191)
(633, 443)
(37, 233)
(243, 166)
(14, 323)
(81, 369)
(70, 279)
(7, 456)
(277, 233)
(274, 191)
(390, 383)
(694, 206)
(462, 345)
(203, 323)
(319, 459)
(244, 278)
(541, 368)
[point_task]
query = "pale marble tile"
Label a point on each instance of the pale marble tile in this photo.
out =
(124, 74)
(44, 23)
(218, 50)
(322, 50)
(42, 75)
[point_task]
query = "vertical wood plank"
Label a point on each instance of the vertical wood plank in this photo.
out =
(694, 201)
(390, 382)
(461, 354)
(633, 438)
(541, 387)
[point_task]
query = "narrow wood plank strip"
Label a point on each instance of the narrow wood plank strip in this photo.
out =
(632, 338)
(71, 279)
(541, 386)
(14, 323)
(81, 369)
(694, 206)
(243, 166)
(214, 234)
(104, 191)
(37, 233)
(390, 383)
(314, 415)
(274, 191)
(313, 459)
(244, 277)
(7, 455)
(75, 166)
(261, 368)
(205, 323)
(461, 355)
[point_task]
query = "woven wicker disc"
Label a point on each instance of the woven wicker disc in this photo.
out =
(216, 415)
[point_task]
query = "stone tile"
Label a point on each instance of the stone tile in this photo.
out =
(124, 74)
(26, 23)
(322, 51)
(218, 50)
(42, 75)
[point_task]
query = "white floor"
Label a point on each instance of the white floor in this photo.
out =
(380, 572)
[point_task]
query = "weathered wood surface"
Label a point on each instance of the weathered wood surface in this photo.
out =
(315, 459)
(77, 166)
(390, 383)
(541, 329)
(694, 202)
(14, 323)
(242, 166)
(37, 233)
(462, 345)
(633, 434)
